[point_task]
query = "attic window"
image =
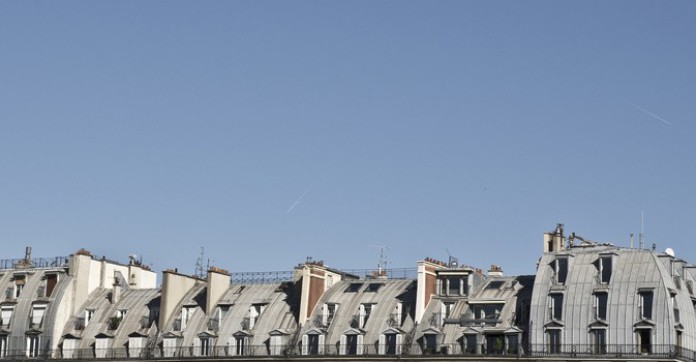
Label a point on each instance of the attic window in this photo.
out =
(495, 284)
(353, 288)
(374, 287)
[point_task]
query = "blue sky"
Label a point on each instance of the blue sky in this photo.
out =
(267, 132)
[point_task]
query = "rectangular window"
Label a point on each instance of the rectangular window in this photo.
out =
(562, 271)
(599, 341)
(6, 316)
(241, 346)
(553, 339)
(51, 281)
(556, 307)
(205, 346)
(32, 346)
(471, 345)
(373, 287)
(675, 307)
(3, 346)
(601, 300)
(37, 314)
(19, 280)
(645, 304)
(605, 266)
(364, 313)
(186, 315)
(454, 284)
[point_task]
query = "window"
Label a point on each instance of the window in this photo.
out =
(205, 346)
(513, 344)
(495, 284)
(488, 313)
(605, 268)
(51, 281)
(241, 345)
(37, 314)
(186, 315)
(352, 344)
(6, 316)
(254, 312)
(19, 280)
(645, 304)
(556, 306)
(89, 313)
(553, 340)
(599, 341)
(364, 313)
(471, 345)
(675, 307)
(374, 287)
(561, 270)
(600, 306)
(353, 288)
(3, 346)
(121, 313)
(453, 285)
(329, 313)
(32, 346)
(643, 339)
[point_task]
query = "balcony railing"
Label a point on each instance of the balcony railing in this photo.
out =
(568, 352)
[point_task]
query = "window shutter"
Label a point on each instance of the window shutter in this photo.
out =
(320, 350)
(305, 344)
(382, 342)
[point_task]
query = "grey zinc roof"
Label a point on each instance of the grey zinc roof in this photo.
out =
(633, 270)
(136, 302)
(385, 300)
(277, 314)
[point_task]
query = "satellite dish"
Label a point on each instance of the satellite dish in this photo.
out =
(670, 252)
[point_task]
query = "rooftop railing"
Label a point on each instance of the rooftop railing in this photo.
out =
(21, 263)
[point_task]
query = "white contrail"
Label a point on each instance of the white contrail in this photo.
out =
(649, 113)
(300, 198)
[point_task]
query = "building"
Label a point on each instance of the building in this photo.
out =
(586, 300)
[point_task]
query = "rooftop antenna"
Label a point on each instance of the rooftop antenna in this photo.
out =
(641, 235)
(382, 264)
(200, 268)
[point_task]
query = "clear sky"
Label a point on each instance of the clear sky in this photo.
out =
(267, 132)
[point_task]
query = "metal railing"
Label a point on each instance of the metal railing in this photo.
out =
(574, 351)
(271, 277)
(19, 263)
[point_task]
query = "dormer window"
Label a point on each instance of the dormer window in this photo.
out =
(37, 315)
(186, 315)
(6, 316)
(605, 268)
(452, 284)
(645, 304)
(254, 312)
(19, 282)
(556, 306)
(51, 281)
(364, 314)
(600, 306)
(560, 268)
(328, 312)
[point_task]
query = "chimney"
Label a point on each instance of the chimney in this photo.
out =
(218, 284)
(174, 288)
(116, 291)
(427, 284)
(312, 279)
(495, 271)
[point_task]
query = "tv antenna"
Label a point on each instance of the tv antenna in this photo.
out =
(382, 264)
(642, 234)
(200, 268)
